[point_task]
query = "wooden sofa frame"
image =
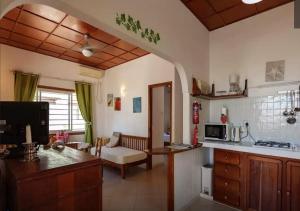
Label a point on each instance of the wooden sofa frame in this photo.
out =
(132, 142)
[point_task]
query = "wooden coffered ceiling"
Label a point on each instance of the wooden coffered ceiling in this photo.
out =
(215, 14)
(48, 31)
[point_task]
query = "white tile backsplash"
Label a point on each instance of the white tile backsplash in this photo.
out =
(264, 114)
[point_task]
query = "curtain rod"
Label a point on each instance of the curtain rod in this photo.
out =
(51, 77)
(17, 71)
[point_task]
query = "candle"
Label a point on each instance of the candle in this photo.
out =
(224, 111)
(28, 134)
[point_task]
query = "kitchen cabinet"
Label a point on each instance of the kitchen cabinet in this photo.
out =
(292, 194)
(264, 179)
(256, 182)
(227, 177)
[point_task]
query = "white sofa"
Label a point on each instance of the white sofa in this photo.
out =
(128, 152)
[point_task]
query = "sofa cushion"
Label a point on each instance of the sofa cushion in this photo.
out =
(114, 140)
(122, 155)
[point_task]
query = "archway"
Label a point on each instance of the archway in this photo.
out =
(103, 17)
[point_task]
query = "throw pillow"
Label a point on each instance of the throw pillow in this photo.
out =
(113, 141)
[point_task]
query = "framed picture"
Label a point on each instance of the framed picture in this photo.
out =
(275, 71)
(110, 100)
(137, 105)
(117, 104)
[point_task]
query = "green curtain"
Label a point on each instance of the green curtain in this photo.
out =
(84, 98)
(25, 86)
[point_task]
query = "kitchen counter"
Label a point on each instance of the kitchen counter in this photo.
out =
(170, 149)
(250, 148)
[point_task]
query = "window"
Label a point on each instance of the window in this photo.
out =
(64, 113)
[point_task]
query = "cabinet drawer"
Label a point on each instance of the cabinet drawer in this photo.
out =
(229, 157)
(226, 185)
(227, 171)
(227, 198)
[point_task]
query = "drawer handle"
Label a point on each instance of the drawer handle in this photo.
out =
(278, 192)
(225, 197)
(287, 193)
(226, 183)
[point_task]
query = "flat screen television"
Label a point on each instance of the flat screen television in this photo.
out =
(14, 116)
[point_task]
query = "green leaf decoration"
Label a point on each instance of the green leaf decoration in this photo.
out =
(128, 26)
(138, 25)
(134, 29)
(118, 21)
(157, 36)
(123, 17)
(135, 26)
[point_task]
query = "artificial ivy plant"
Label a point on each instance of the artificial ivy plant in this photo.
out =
(135, 26)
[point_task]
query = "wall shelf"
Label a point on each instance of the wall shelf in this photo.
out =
(221, 97)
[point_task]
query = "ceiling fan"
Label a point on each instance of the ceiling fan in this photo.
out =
(90, 46)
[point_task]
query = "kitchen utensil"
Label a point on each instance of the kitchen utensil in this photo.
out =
(291, 119)
(236, 134)
(286, 113)
(292, 112)
(298, 102)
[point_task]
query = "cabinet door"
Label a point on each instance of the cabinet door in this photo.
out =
(293, 186)
(264, 183)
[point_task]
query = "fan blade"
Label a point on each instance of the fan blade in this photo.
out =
(96, 44)
(77, 47)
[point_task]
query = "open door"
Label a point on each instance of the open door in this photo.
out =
(160, 114)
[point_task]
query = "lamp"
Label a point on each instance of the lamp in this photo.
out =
(87, 52)
(251, 1)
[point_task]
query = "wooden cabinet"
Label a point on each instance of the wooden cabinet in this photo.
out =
(256, 182)
(264, 179)
(227, 177)
(2, 188)
(61, 180)
(292, 193)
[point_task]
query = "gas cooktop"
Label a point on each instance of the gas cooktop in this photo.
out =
(275, 144)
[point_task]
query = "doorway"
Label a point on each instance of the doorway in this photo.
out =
(160, 114)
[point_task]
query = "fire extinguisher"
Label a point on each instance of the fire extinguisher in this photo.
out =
(195, 136)
(196, 108)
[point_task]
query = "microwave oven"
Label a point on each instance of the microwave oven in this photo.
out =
(217, 131)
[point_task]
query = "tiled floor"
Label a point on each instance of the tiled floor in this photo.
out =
(141, 190)
(144, 190)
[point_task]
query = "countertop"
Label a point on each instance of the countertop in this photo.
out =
(250, 148)
(172, 150)
(51, 160)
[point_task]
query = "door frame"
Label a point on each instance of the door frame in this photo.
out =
(150, 97)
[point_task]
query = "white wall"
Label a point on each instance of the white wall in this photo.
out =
(184, 40)
(187, 176)
(12, 58)
(17, 59)
(134, 77)
(245, 47)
